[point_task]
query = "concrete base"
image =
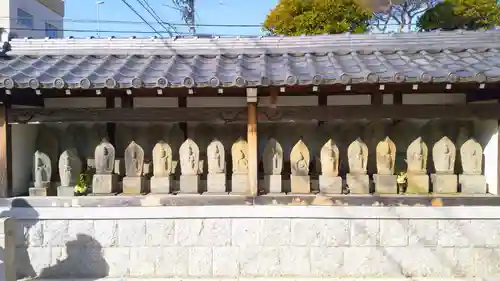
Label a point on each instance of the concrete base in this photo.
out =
(104, 184)
(37, 191)
(358, 183)
(66, 191)
(161, 185)
(239, 183)
(272, 184)
(417, 184)
(189, 184)
(216, 183)
(444, 184)
(330, 185)
(472, 184)
(385, 184)
(133, 185)
(300, 184)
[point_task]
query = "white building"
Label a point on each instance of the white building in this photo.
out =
(32, 18)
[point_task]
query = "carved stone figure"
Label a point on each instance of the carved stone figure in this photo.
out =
(471, 154)
(70, 167)
(330, 159)
(189, 154)
(273, 158)
(162, 160)
(416, 157)
(239, 153)
(134, 160)
(386, 157)
(443, 156)
(42, 169)
(216, 157)
(104, 156)
(357, 154)
(299, 159)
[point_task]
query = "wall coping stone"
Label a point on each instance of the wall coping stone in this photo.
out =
(278, 279)
(302, 212)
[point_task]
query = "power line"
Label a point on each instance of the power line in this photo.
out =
(139, 22)
(122, 31)
(152, 13)
(133, 10)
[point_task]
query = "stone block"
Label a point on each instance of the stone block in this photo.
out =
(142, 260)
(365, 232)
(275, 232)
(161, 185)
(118, 260)
(272, 184)
(147, 168)
(91, 163)
(160, 232)
(56, 233)
(260, 261)
(226, 262)
(37, 191)
(473, 184)
(327, 261)
(239, 183)
(444, 183)
(133, 185)
(66, 191)
(385, 184)
(203, 232)
(189, 184)
(119, 167)
(174, 261)
(330, 185)
(300, 184)
(417, 184)
(8, 261)
(246, 232)
(200, 261)
(358, 183)
(104, 184)
(394, 233)
(106, 232)
(295, 261)
(216, 183)
(320, 232)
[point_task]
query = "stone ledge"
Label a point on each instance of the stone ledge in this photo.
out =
(277, 279)
(321, 212)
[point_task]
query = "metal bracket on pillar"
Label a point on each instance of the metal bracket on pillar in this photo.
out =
(251, 94)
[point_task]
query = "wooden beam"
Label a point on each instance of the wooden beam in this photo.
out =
(5, 153)
(253, 163)
(239, 114)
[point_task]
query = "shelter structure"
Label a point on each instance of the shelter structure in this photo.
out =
(252, 115)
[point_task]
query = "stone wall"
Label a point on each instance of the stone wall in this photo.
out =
(264, 241)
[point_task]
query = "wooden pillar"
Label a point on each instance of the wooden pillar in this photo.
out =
(182, 103)
(111, 127)
(252, 142)
(5, 153)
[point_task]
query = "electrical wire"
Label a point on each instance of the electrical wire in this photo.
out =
(139, 15)
(155, 16)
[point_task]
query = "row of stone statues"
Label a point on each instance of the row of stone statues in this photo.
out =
(105, 164)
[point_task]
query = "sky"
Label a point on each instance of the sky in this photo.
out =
(83, 15)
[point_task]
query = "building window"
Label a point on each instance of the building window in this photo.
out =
(50, 30)
(24, 18)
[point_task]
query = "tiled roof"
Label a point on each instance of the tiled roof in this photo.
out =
(226, 62)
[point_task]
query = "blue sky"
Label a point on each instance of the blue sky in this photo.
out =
(208, 12)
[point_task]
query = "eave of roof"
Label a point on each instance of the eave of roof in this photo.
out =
(452, 57)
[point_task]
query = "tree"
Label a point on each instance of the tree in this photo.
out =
(403, 14)
(310, 17)
(461, 14)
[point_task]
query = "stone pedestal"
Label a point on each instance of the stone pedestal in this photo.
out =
(239, 183)
(358, 183)
(385, 184)
(161, 185)
(272, 184)
(104, 184)
(417, 184)
(300, 184)
(189, 184)
(37, 191)
(133, 185)
(216, 183)
(330, 185)
(444, 183)
(65, 191)
(473, 184)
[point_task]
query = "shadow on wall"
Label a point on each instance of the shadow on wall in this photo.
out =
(80, 258)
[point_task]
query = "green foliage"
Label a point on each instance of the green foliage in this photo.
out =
(461, 14)
(83, 183)
(310, 17)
